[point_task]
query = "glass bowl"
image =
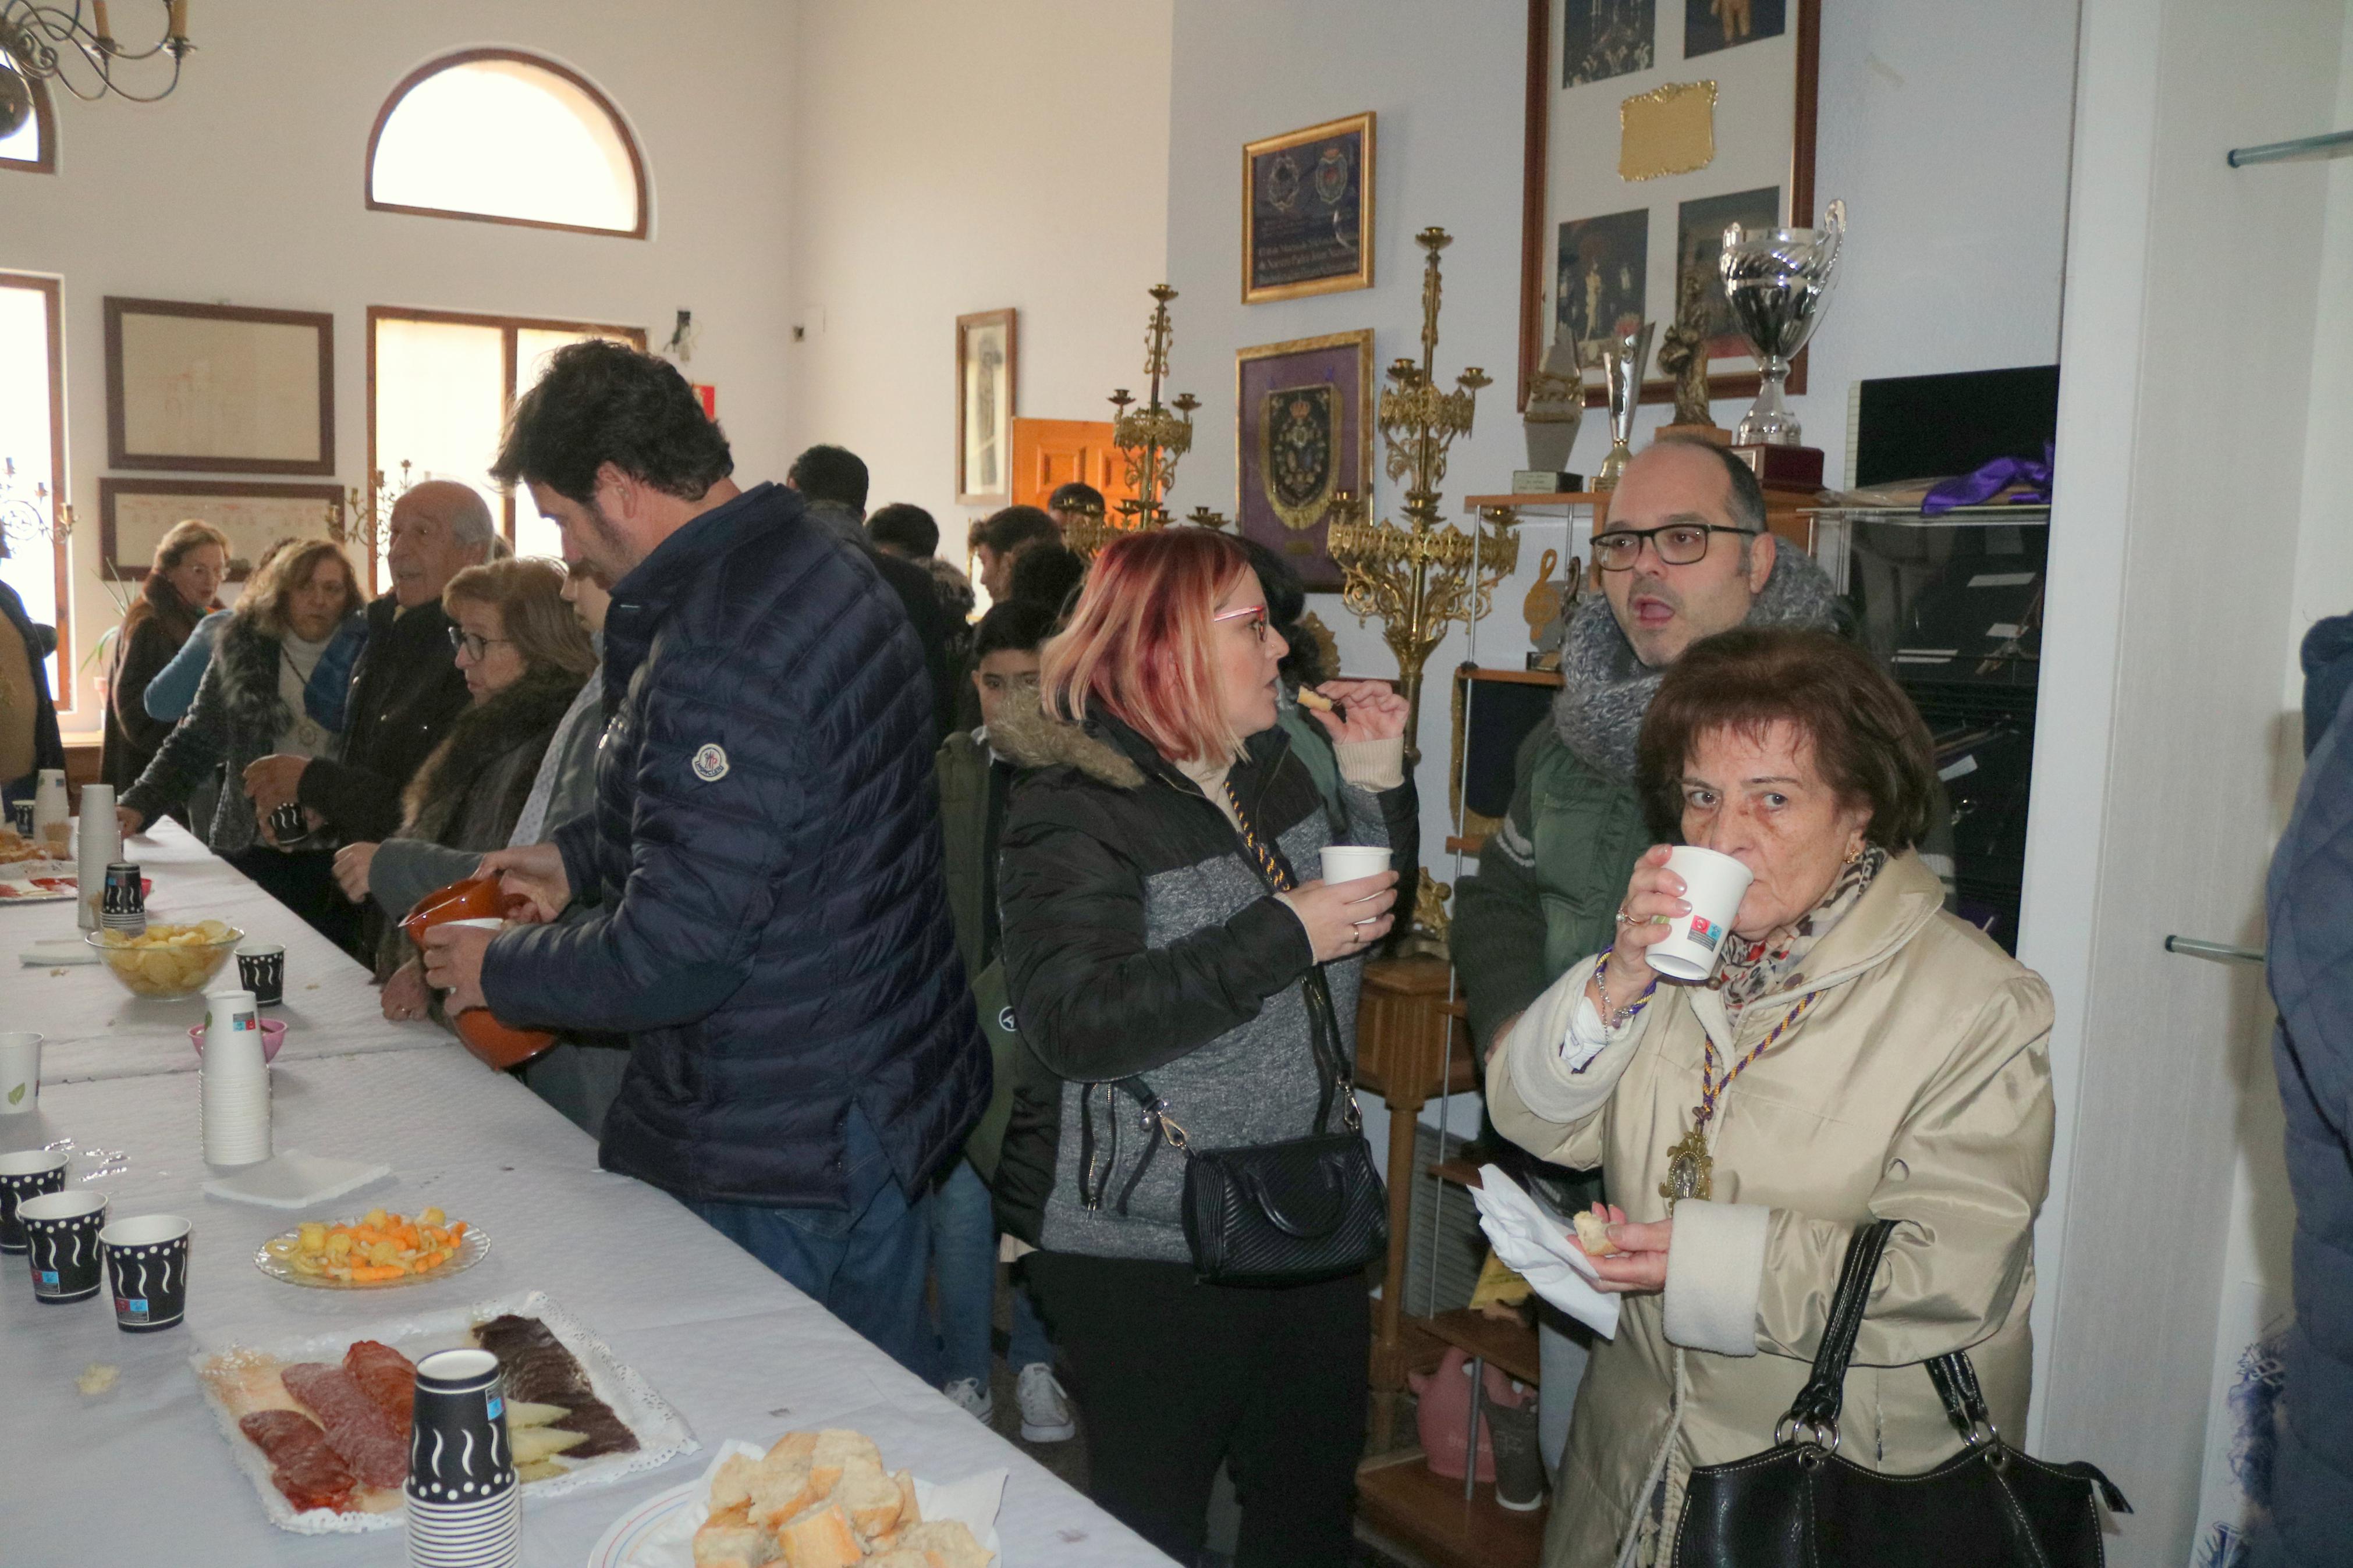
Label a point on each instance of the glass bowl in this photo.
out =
(167, 970)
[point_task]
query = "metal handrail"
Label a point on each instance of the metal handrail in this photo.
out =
(2220, 952)
(2328, 144)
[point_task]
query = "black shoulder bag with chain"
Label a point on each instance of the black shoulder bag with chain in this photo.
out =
(1798, 1505)
(1278, 1214)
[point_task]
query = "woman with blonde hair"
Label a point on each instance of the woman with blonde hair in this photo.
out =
(259, 696)
(1174, 955)
(524, 655)
(191, 560)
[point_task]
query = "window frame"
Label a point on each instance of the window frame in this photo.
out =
(508, 326)
(45, 126)
(434, 68)
(60, 549)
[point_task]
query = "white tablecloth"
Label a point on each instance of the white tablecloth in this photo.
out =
(97, 1029)
(141, 1474)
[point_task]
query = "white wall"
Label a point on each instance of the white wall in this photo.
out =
(1945, 128)
(2158, 757)
(244, 187)
(950, 159)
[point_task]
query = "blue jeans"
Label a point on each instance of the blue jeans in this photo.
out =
(864, 1265)
(964, 1260)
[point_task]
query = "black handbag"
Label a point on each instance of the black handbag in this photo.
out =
(1798, 1505)
(1291, 1212)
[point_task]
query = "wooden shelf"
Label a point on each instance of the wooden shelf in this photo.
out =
(1401, 1498)
(1465, 844)
(1462, 1173)
(1553, 498)
(1506, 1342)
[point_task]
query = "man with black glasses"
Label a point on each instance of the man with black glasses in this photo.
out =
(1683, 555)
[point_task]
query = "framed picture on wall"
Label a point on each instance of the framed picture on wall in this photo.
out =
(133, 515)
(1651, 124)
(1303, 436)
(1307, 211)
(985, 388)
(219, 388)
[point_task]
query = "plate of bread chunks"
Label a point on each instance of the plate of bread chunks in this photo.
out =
(321, 1424)
(809, 1499)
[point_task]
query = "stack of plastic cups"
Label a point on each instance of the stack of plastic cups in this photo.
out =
(99, 841)
(465, 1501)
(235, 1081)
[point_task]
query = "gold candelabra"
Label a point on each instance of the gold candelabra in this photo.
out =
(1150, 440)
(1422, 576)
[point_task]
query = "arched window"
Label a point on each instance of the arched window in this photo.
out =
(503, 137)
(32, 146)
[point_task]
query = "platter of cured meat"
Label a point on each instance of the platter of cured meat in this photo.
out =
(319, 1425)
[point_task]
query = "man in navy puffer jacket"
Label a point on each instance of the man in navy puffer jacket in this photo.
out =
(771, 923)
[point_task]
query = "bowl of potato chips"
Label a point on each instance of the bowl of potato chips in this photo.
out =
(167, 962)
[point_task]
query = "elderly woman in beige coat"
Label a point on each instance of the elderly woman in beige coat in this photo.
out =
(1859, 1054)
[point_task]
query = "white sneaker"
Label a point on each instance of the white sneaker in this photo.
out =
(1045, 1408)
(971, 1395)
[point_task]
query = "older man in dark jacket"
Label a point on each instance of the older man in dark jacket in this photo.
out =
(772, 929)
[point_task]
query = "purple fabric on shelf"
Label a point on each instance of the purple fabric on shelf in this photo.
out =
(2033, 478)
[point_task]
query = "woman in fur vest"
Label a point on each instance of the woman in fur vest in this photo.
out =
(524, 655)
(257, 697)
(190, 562)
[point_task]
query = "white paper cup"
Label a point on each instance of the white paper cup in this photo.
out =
(20, 1073)
(1713, 886)
(1351, 862)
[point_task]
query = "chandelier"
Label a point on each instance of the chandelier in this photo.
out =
(1421, 577)
(55, 43)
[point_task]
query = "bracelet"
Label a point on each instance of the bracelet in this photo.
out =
(1613, 1024)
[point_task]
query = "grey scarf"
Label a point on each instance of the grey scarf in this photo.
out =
(1605, 689)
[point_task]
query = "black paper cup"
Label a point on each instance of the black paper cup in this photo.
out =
(458, 1447)
(20, 818)
(26, 1175)
(261, 966)
(61, 1242)
(147, 1260)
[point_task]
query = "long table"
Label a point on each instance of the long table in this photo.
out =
(142, 1474)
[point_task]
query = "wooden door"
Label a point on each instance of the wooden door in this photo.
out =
(1049, 453)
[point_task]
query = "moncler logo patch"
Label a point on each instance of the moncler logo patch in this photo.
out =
(710, 763)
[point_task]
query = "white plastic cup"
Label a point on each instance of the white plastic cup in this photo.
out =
(235, 1081)
(20, 1073)
(1713, 886)
(1352, 862)
(98, 841)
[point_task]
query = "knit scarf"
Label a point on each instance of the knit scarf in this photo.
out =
(1605, 689)
(1776, 964)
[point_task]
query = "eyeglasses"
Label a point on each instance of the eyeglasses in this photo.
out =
(1258, 627)
(1678, 544)
(472, 646)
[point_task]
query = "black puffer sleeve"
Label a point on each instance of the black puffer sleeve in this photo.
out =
(1097, 1002)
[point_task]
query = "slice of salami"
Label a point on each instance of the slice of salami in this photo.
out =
(356, 1426)
(301, 1462)
(386, 1377)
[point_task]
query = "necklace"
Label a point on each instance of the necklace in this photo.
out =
(1691, 1170)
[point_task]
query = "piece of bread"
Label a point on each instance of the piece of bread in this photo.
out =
(731, 1483)
(730, 1537)
(899, 1557)
(781, 1489)
(870, 1498)
(945, 1543)
(1593, 1235)
(908, 1512)
(820, 1538)
(835, 1445)
(792, 1445)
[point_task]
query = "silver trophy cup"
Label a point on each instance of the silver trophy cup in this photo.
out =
(1622, 359)
(1778, 281)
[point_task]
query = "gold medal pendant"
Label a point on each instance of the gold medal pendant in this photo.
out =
(1691, 1171)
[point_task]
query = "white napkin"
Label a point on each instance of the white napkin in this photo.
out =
(1536, 1242)
(294, 1179)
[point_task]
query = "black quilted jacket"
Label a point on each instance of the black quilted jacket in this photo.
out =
(773, 929)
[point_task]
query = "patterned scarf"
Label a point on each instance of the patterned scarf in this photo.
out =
(1776, 962)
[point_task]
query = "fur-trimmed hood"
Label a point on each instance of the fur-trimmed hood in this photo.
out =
(248, 657)
(1027, 736)
(525, 715)
(1605, 689)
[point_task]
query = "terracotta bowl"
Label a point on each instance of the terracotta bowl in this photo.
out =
(477, 898)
